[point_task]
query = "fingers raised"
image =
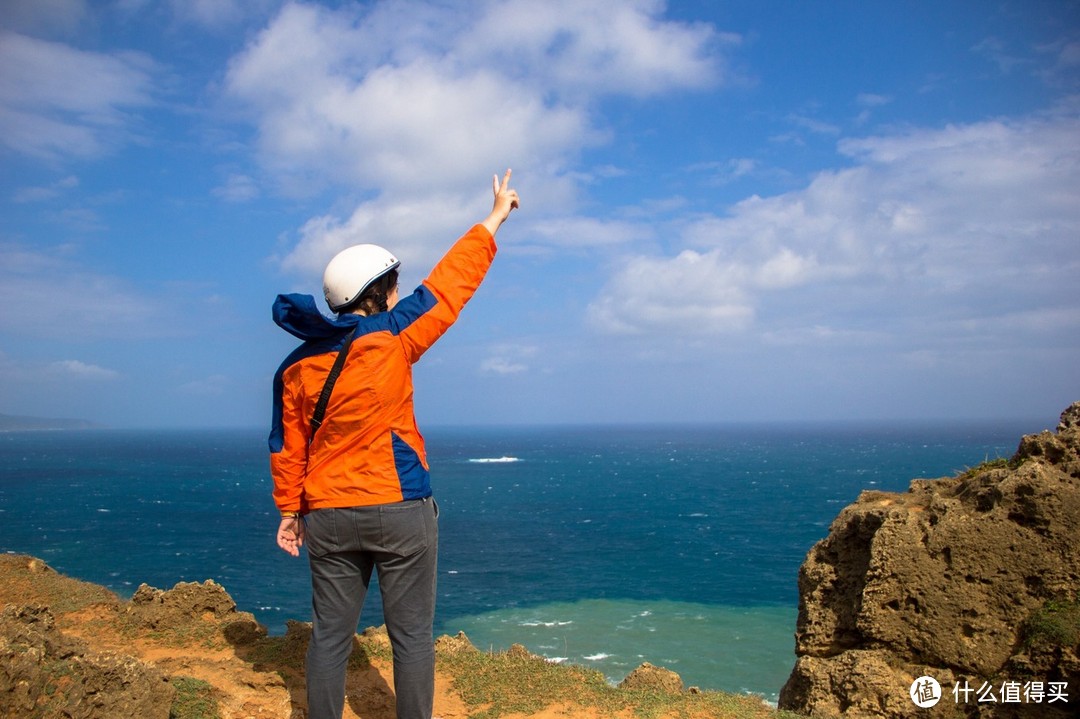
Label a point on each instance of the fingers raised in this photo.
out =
(500, 188)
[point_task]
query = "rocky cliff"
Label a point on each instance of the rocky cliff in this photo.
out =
(971, 580)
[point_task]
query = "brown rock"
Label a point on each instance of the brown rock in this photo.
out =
(378, 636)
(454, 645)
(191, 603)
(519, 651)
(648, 677)
(45, 673)
(941, 581)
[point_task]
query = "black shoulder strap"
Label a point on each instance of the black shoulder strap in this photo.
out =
(328, 388)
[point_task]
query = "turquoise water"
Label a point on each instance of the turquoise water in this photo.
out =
(604, 547)
(749, 647)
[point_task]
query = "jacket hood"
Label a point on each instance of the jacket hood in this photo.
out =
(300, 316)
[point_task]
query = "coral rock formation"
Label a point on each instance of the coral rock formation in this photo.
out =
(951, 581)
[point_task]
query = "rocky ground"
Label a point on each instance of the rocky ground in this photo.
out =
(75, 650)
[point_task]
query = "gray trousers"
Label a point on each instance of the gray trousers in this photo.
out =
(401, 543)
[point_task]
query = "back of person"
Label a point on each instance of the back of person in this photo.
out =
(350, 469)
(368, 449)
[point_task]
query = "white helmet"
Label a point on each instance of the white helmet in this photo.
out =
(352, 271)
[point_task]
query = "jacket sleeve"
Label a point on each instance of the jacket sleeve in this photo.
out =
(437, 303)
(288, 455)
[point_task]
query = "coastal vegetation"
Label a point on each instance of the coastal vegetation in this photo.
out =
(1054, 625)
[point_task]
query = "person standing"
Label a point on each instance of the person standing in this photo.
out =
(348, 461)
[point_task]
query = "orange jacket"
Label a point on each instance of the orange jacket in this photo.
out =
(368, 449)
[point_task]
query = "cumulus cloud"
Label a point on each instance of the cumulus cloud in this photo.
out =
(416, 230)
(953, 227)
(68, 102)
(327, 110)
(399, 100)
(689, 293)
(624, 46)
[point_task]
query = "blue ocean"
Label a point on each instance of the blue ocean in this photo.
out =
(600, 546)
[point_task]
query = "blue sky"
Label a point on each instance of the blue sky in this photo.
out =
(730, 210)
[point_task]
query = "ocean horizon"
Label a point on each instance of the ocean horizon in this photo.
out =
(604, 546)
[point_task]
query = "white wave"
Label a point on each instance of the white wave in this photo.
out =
(494, 460)
(544, 624)
(555, 660)
(599, 656)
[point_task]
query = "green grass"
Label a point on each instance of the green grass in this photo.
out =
(194, 699)
(500, 683)
(1055, 624)
(997, 463)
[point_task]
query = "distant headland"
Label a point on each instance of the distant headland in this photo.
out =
(15, 423)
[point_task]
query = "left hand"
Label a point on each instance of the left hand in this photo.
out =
(290, 535)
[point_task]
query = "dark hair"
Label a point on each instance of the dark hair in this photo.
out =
(374, 298)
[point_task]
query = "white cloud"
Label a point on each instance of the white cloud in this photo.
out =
(509, 359)
(237, 188)
(57, 297)
(571, 46)
(815, 126)
(995, 50)
(728, 171)
(869, 101)
(20, 373)
(397, 129)
(581, 232)
(418, 231)
(502, 365)
(81, 370)
(401, 100)
(958, 228)
(64, 16)
(56, 100)
(688, 294)
(40, 194)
